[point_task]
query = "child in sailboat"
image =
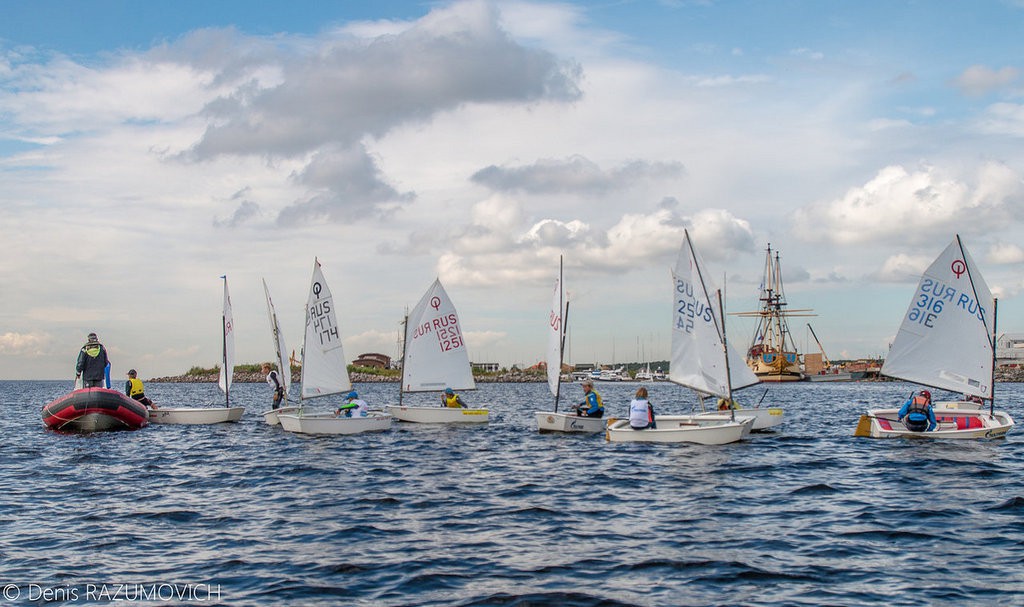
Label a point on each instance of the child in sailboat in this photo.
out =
(641, 411)
(276, 384)
(134, 388)
(917, 413)
(592, 405)
(353, 407)
(450, 399)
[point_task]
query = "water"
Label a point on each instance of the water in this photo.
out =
(246, 514)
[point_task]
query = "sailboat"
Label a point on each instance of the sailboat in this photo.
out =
(210, 415)
(947, 341)
(284, 368)
(435, 358)
(772, 354)
(701, 360)
(553, 421)
(324, 371)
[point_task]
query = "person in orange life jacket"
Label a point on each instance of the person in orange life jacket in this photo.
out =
(918, 413)
(276, 384)
(134, 388)
(353, 407)
(450, 399)
(592, 405)
(641, 412)
(92, 363)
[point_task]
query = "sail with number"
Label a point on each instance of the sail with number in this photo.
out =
(280, 349)
(945, 340)
(556, 333)
(323, 359)
(698, 332)
(228, 351)
(435, 348)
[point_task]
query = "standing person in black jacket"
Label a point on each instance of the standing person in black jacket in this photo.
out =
(92, 363)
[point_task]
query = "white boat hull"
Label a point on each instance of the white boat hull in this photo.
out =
(953, 423)
(195, 415)
(765, 418)
(438, 415)
(270, 417)
(328, 423)
(549, 421)
(703, 430)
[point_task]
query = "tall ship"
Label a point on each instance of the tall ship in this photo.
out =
(772, 354)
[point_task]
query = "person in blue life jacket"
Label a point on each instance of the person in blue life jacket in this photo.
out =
(917, 413)
(276, 384)
(452, 400)
(641, 412)
(134, 388)
(92, 363)
(353, 407)
(592, 405)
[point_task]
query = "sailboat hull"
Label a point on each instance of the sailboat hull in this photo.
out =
(549, 421)
(195, 416)
(704, 430)
(765, 418)
(952, 424)
(438, 415)
(270, 417)
(328, 423)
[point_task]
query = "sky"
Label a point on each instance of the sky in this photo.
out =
(147, 149)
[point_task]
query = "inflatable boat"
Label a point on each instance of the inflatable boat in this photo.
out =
(95, 410)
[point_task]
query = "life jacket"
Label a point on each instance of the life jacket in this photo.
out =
(600, 401)
(92, 349)
(918, 404)
(451, 400)
(640, 413)
(136, 387)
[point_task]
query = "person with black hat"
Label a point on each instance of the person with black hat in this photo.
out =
(92, 363)
(134, 388)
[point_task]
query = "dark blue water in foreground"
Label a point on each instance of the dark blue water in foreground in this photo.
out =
(246, 514)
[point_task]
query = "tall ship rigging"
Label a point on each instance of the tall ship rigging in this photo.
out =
(772, 354)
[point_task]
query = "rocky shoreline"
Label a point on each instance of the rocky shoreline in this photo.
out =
(259, 378)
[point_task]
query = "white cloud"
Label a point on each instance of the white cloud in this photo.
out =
(913, 206)
(1002, 119)
(903, 268)
(25, 344)
(980, 79)
(1005, 253)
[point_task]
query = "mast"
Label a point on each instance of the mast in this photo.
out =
(992, 401)
(401, 381)
(224, 345)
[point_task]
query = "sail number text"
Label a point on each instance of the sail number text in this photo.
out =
(446, 328)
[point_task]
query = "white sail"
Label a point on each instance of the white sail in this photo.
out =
(698, 352)
(435, 349)
(323, 360)
(280, 349)
(555, 332)
(945, 339)
(228, 359)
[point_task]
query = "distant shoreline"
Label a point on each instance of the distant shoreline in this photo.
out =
(1004, 375)
(259, 378)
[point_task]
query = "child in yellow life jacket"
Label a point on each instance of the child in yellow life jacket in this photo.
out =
(450, 399)
(134, 388)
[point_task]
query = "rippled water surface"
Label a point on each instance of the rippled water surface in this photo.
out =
(501, 515)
